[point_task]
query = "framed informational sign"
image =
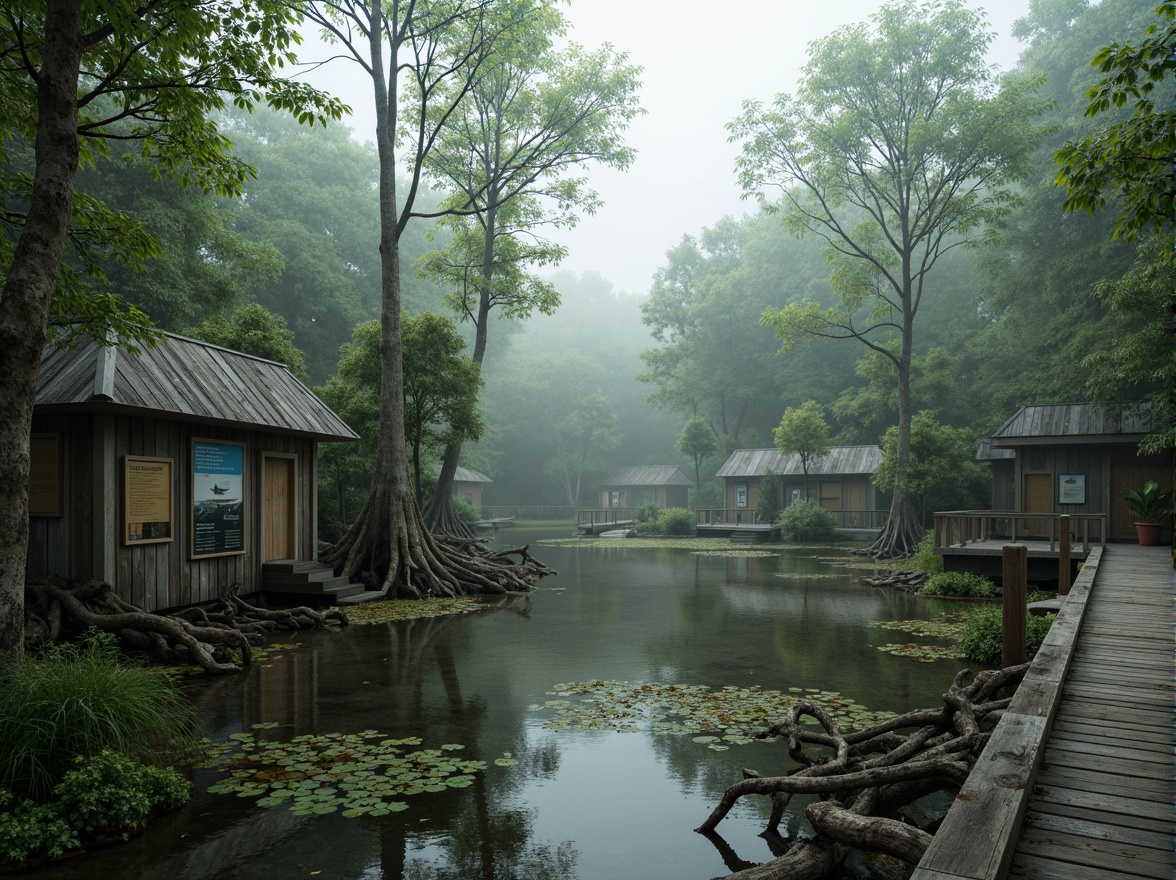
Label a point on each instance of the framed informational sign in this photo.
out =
(147, 500)
(45, 475)
(1072, 489)
(218, 498)
(741, 495)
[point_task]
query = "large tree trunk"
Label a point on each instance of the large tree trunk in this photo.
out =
(28, 291)
(900, 536)
(388, 545)
(441, 515)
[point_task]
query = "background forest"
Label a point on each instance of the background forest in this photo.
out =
(291, 272)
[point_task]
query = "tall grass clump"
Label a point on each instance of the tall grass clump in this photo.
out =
(807, 521)
(75, 700)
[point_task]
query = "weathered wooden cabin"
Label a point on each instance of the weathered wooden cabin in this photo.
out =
(839, 482)
(1075, 458)
(664, 484)
(467, 484)
(174, 473)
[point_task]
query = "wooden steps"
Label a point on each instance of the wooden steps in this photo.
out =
(308, 580)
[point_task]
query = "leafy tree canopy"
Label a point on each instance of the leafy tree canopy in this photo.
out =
(1130, 158)
(255, 331)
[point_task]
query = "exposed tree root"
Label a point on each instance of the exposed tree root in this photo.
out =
(904, 580)
(389, 549)
(870, 774)
(206, 636)
(900, 536)
(441, 517)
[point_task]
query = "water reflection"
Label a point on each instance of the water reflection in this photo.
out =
(579, 804)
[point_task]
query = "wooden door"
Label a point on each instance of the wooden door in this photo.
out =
(280, 492)
(1037, 497)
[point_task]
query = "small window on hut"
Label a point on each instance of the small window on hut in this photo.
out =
(831, 494)
(45, 475)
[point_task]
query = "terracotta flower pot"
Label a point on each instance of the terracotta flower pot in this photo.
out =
(1149, 533)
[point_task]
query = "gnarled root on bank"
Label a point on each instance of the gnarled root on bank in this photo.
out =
(206, 636)
(870, 775)
(903, 580)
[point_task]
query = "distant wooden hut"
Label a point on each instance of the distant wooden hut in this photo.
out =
(838, 481)
(1075, 458)
(175, 473)
(467, 484)
(664, 484)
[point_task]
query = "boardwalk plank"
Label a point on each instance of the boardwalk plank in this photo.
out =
(1099, 830)
(1085, 778)
(1033, 867)
(1106, 854)
(1110, 817)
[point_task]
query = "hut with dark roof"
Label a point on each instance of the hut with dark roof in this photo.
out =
(633, 486)
(838, 481)
(174, 473)
(1076, 458)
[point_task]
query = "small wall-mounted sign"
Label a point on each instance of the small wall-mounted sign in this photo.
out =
(218, 498)
(147, 500)
(1072, 489)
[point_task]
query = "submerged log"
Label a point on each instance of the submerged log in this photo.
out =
(869, 776)
(206, 636)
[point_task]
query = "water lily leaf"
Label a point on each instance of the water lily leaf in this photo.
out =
(706, 739)
(505, 762)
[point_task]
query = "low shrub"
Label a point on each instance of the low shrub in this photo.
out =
(466, 512)
(28, 828)
(675, 521)
(982, 641)
(807, 521)
(106, 793)
(959, 583)
(925, 558)
(648, 512)
(78, 699)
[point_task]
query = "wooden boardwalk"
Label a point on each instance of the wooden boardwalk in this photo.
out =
(1102, 802)
(1076, 782)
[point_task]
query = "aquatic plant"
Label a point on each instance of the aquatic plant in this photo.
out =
(79, 699)
(354, 774)
(731, 715)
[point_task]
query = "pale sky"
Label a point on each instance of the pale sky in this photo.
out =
(701, 60)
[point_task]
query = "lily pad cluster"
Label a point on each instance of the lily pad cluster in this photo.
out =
(357, 774)
(735, 554)
(948, 626)
(383, 611)
(729, 716)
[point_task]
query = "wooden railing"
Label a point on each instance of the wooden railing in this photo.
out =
(958, 528)
(846, 519)
(602, 516)
(978, 836)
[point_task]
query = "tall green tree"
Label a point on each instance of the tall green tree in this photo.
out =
(1130, 158)
(899, 145)
(441, 384)
(158, 69)
(423, 58)
(803, 430)
(255, 331)
(581, 439)
(697, 442)
(942, 473)
(515, 156)
(1037, 291)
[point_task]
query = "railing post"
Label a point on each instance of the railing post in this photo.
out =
(1063, 554)
(1015, 581)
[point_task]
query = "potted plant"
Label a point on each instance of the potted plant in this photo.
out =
(1151, 506)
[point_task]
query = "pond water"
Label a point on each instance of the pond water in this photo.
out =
(562, 802)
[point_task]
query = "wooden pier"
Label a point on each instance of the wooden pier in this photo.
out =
(1076, 782)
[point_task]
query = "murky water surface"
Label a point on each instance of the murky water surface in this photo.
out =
(579, 803)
